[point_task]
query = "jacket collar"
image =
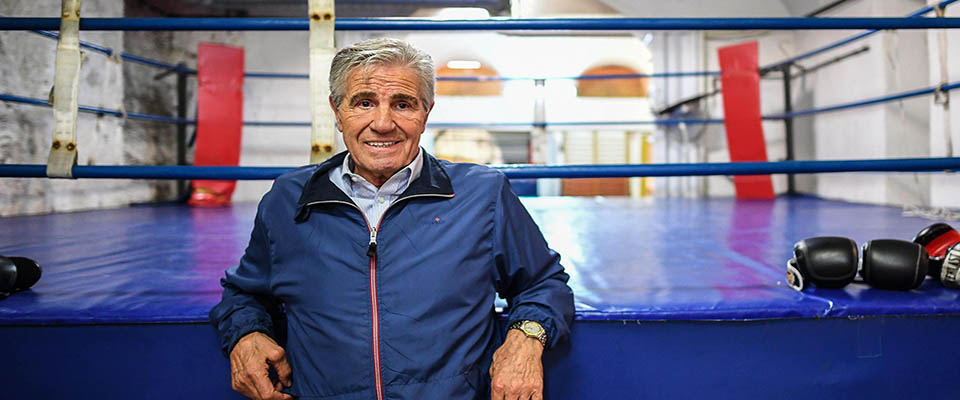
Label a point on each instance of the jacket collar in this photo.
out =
(433, 180)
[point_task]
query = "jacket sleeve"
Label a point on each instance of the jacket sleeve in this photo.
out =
(529, 275)
(246, 305)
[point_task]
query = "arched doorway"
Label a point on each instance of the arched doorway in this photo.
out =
(608, 146)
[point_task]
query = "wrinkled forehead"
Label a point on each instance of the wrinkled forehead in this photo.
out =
(399, 78)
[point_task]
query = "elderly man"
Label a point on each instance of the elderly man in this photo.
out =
(377, 270)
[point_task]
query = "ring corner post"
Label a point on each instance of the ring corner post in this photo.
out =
(63, 151)
(322, 50)
(788, 125)
(182, 189)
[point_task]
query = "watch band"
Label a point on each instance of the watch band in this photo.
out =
(531, 329)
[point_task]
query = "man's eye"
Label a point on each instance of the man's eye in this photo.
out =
(403, 106)
(365, 103)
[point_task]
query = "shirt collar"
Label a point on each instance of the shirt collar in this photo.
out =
(415, 167)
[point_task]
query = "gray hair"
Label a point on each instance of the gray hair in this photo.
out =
(381, 52)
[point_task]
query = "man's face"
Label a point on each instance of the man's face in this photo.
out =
(381, 118)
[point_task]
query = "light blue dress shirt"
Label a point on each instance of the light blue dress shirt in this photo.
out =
(371, 200)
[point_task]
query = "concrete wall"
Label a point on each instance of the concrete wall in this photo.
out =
(26, 132)
(26, 68)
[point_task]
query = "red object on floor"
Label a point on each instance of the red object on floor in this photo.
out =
(741, 107)
(219, 119)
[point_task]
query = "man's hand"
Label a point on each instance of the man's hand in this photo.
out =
(249, 369)
(517, 371)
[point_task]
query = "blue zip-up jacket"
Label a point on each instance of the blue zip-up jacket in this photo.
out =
(400, 311)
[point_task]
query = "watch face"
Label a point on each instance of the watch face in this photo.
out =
(532, 328)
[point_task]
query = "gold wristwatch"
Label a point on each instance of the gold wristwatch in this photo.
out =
(531, 329)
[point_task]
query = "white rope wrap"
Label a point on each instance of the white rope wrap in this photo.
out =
(322, 50)
(940, 96)
(63, 152)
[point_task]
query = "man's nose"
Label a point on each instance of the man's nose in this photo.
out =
(382, 120)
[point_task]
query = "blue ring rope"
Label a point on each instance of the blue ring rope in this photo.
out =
(867, 102)
(270, 75)
(691, 121)
(559, 24)
(460, 125)
(466, 125)
(916, 14)
(99, 111)
(518, 172)
(125, 56)
(177, 68)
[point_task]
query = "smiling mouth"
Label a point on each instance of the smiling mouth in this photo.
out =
(381, 144)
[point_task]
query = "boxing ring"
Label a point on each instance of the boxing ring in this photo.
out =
(675, 298)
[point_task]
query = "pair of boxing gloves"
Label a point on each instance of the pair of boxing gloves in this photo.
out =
(833, 262)
(17, 273)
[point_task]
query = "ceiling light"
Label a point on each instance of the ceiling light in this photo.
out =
(462, 13)
(463, 64)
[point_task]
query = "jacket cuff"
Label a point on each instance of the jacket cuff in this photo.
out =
(230, 337)
(532, 313)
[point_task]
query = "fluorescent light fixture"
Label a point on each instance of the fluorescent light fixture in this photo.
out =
(463, 64)
(462, 13)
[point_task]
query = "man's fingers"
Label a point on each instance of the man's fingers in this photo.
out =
(261, 382)
(279, 361)
(239, 380)
(280, 395)
(277, 394)
(511, 391)
(243, 386)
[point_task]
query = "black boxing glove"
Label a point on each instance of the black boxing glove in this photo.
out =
(937, 239)
(17, 273)
(950, 271)
(8, 276)
(894, 264)
(826, 262)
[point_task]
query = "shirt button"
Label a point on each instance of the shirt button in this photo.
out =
(382, 200)
(353, 178)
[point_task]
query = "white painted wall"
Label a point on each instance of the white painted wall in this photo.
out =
(700, 9)
(274, 100)
(897, 61)
(945, 188)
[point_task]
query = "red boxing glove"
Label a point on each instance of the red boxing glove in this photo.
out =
(937, 239)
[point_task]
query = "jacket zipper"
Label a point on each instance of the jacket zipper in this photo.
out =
(372, 254)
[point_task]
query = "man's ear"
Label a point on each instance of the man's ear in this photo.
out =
(336, 114)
